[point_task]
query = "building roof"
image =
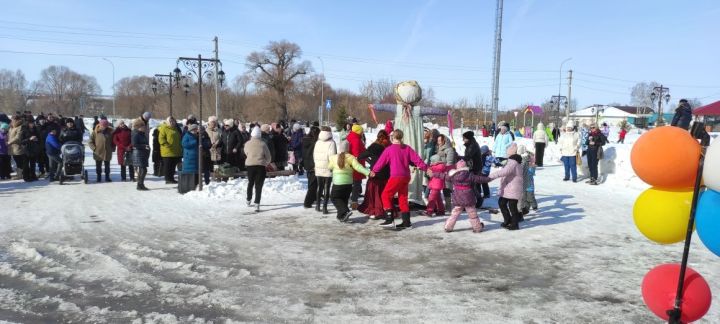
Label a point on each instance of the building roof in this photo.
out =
(607, 112)
(636, 110)
(712, 109)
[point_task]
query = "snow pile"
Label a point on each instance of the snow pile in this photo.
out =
(236, 189)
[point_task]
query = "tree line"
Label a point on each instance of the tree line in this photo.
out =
(277, 84)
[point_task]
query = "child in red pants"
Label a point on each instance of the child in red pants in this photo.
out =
(436, 185)
(398, 156)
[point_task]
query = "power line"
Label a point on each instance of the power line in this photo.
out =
(88, 55)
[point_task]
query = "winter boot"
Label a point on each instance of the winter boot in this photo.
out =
(405, 222)
(257, 207)
(325, 210)
(107, 176)
(389, 220)
(99, 177)
(18, 174)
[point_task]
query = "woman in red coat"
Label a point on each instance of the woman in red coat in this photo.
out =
(356, 147)
(122, 141)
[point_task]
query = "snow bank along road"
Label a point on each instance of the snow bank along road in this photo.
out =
(105, 253)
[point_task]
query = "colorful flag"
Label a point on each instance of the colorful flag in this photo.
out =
(372, 113)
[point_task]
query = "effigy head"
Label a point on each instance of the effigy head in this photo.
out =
(408, 92)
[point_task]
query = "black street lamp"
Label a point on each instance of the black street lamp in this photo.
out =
(165, 81)
(198, 68)
(658, 93)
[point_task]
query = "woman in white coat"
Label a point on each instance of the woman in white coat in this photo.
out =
(541, 139)
(569, 144)
(324, 148)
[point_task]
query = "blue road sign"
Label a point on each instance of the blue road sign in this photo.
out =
(328, 104)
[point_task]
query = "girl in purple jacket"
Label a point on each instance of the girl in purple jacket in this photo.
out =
(399, 156)
(463, 197)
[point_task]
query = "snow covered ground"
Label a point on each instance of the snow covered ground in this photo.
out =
(106, 253)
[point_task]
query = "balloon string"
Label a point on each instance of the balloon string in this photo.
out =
(676, 312)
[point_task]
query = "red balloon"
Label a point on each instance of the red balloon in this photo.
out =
(660, 285)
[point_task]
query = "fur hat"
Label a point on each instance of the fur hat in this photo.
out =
(470, 135)
(570, 124)
(435, 159)
(265, 128)
(296, 127)
(521, 149)
(357, 129)
(256, 133)
(540, 125)
(192, 127)
(212, 119)
(147, 115)
(229, 122)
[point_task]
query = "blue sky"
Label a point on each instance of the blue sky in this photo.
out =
(446, 45)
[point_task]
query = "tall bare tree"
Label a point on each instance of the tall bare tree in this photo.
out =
(275, 68)
(13, 89)
(135, 96)
(640, 94)
(66, 89)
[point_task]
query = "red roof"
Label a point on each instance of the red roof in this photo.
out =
(712, 109)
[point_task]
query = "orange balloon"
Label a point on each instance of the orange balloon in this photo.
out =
(666, 157)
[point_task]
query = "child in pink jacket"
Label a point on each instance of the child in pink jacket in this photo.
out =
(399, 156)
(436, 185)
(511, 189)
(463, 197)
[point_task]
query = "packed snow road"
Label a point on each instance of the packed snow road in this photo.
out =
(106, 253)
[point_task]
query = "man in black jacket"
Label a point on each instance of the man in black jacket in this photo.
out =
(232, 144)
(71, 133)
(308, 146)
(473, 160)
(683, 115)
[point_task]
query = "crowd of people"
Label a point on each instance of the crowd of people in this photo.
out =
(335, 170)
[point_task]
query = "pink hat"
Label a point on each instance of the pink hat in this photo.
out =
(460, 164)
(104, 123)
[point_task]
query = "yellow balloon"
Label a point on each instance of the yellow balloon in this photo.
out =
(662, 216)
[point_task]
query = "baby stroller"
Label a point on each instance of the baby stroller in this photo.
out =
(73, 156)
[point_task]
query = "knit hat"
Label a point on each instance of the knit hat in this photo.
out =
(484, 149)
(470, 135)
(104, 123)
(434, 159)
(256, 133)
(540, 125)
(146, 115)
(192, 127)
(357, 129)
(229, 122)
(296, 127)
(570, 124)
(212, 119)
(460, 164)
(516, 157)
(265, 128)
(4, 126)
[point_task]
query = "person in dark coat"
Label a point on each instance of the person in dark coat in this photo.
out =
(267, 138)
(157, 160)
(71, 133)
(372, 204)
(683, 115)
(96, 121)
(122, 141)
(80, 123)
(473, 160)
(33, 149)
(42, 159)
(231, 144)
(595, 142)
(140, 154)
(280, 143)
(308, 163)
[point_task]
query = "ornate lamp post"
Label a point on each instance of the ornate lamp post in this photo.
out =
(166, 81)
(658, 93)
(198, 68)
(559, 100)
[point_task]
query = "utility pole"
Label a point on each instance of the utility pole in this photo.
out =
(217, 84)
(113, 70)
(322, 94)
(569, 107)
(496, 61)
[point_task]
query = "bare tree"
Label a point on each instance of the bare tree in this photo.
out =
(66, 89)
(640, 94)
(135, 96)
(13, 91)
(275, 68)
